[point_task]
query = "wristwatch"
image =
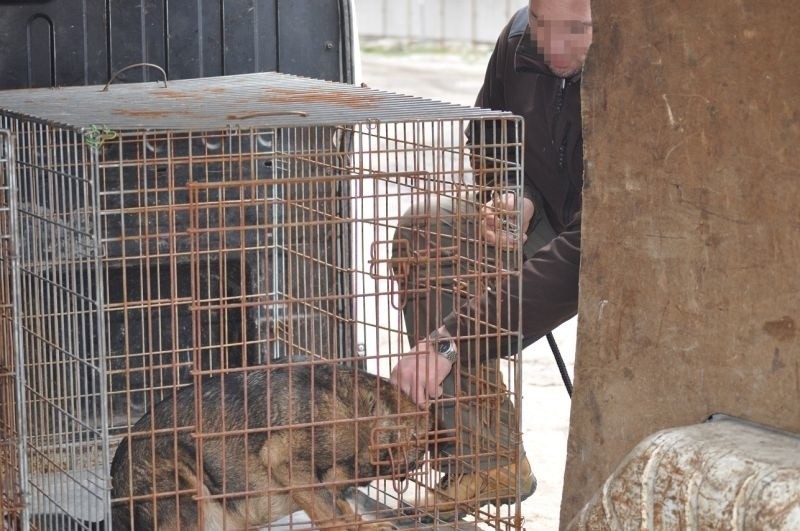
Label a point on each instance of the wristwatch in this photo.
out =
(444, 345)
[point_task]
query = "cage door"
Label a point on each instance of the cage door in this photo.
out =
(58, 328)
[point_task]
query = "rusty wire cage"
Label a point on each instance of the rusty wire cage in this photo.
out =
(165, 240)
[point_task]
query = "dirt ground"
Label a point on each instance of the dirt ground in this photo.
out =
(545, 406)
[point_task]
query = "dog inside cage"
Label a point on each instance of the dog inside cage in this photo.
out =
(203, 309)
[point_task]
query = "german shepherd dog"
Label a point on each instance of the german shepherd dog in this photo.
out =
(302, 435)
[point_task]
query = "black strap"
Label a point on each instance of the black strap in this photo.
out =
(562, 368)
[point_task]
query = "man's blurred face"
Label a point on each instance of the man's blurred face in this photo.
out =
(562, 30)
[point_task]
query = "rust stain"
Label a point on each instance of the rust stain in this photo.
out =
(188, 93)
(360, 100)
(281, 95)
(247, 116)
(172, 94)
(783, 329)
(148, 114)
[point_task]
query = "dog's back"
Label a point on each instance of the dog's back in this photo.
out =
(245, 442)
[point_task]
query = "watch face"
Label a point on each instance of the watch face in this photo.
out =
(443, 347)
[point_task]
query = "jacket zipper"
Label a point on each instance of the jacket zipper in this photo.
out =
(562, 148)
(560, 96)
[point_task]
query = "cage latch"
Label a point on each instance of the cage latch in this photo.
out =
(401, 262)
(390, 449)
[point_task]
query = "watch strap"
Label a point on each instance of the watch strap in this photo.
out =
(445, 345)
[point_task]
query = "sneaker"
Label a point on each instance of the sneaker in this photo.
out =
(456, 496)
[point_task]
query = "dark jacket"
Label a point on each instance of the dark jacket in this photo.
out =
(518, 80)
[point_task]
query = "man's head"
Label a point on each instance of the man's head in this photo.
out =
(562, 30)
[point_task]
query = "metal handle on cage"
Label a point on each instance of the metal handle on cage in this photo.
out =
(118, 72)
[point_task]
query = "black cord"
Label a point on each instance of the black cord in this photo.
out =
(562, 368)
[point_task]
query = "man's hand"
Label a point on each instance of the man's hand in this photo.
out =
(420, 373)
(495, 215)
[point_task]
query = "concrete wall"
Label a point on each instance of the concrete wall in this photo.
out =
(690, 288)
(434, 21)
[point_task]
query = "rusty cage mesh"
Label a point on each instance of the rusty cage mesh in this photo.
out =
(169, 245)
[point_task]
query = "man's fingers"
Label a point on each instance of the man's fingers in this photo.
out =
(419, 377)
(499, 230)
(420, 397)
(500, 239)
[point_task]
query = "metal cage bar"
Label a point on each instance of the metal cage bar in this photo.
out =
(13, 461)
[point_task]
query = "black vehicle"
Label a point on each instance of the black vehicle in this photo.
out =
(84, 42)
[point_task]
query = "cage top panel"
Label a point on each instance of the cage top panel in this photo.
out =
(266, 99)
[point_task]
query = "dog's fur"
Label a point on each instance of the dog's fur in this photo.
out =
(283, 468)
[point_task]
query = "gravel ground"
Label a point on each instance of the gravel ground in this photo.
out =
(457, 77)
